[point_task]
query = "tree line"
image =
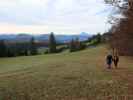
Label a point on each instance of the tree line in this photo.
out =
(17, 49)
(9, 49)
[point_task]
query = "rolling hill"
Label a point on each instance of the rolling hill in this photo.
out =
(44, 37)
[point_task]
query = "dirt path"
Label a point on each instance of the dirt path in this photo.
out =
(124, 77)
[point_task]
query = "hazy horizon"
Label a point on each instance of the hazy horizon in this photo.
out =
(82, 33)
(59, 16)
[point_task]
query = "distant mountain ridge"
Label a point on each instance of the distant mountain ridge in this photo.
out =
(44, 37)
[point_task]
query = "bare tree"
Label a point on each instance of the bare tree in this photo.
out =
(122, 31)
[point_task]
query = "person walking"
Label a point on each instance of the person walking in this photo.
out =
(109, 60)
(116, 60)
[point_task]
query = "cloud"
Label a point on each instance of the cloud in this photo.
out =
(63, 16)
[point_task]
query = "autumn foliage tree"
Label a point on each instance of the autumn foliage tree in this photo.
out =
(76, 45)
(122, 30)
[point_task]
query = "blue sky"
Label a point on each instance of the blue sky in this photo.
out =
(59, 16)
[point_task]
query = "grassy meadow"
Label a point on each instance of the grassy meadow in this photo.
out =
(66, 76)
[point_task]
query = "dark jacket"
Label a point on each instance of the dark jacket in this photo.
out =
(109, 59)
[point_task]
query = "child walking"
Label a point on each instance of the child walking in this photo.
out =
(115, 57)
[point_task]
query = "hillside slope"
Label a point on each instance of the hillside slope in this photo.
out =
(66, 76)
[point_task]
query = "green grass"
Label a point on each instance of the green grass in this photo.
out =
(65, 76)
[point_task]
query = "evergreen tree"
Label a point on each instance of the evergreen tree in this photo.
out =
(33, 48)
(11, 52)
(52, 43)
(3, 49)
(98, 37)
(82, 46)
